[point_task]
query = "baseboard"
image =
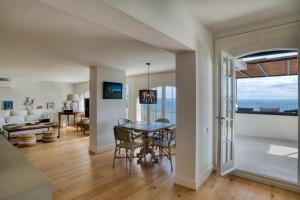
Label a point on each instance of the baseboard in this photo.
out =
(266, 180)
(205, 176)
(188, 183)
(101, 149)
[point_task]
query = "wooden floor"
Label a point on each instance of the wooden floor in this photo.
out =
(78, 174)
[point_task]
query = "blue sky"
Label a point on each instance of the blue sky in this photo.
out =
(280, 87)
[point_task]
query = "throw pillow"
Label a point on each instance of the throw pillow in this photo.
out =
(15, 119)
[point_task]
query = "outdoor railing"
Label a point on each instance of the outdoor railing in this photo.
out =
(253, 107)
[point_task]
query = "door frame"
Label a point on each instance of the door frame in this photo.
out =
(242, 173)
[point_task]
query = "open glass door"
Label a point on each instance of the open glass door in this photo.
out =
(226, 118)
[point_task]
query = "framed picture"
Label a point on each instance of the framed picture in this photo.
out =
(112, 90)
(51, 105)
(8, 105)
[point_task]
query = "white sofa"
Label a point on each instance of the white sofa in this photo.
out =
(25, 116)
(8, 117)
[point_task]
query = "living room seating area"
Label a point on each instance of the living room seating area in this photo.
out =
(9, 118)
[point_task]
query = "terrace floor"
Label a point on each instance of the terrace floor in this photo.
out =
(271, 157)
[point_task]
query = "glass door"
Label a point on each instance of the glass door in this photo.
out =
(226, 119)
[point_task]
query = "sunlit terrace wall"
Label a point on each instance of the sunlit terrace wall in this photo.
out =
(267, 126)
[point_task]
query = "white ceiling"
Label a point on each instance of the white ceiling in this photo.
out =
(43, 43)
(220, 15)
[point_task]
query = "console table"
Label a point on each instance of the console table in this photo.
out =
(74, 114)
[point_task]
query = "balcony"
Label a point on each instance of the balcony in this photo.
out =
(267, 144)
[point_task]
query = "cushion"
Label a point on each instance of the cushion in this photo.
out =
(47, 114)
(32, 118)
(240, 109)
(272, 110)
(19, 112)
(4, 113)
(15, 119)
(2, 120)
(36, 112)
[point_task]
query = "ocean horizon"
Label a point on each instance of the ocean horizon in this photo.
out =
(282, 104)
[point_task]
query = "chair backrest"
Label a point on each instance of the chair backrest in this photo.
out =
(121, 134)
(163, 120)
(172, 136)
(123, 121)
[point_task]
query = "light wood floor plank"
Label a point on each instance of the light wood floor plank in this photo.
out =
(78, 174)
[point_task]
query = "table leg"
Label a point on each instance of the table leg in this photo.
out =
(68, 120)
(145, 149)
(74, 120)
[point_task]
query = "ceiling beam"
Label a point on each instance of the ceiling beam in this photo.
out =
(288, 67)
(260, 67)
(244, 74)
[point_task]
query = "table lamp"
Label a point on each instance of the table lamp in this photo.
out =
(73, 98)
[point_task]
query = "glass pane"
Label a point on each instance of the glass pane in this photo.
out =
(170, 103)
(156, 109)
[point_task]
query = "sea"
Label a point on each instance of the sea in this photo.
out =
(282, 104)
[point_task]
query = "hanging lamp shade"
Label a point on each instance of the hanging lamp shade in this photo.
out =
(148, 96)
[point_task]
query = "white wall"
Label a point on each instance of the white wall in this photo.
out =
(267, 126)
(204, 109)
(278, 37)
(81, 88)
(43, 92)
(139, 82)
(104, 113)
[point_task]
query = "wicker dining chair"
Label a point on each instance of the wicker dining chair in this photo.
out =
(123, 140)
(165, 145)
(162, 133)
(163, 120)
(123, 121)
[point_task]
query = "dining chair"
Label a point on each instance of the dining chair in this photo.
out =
(163, 120)
(165, 145)
(161, 134)
(123, 140)
(123, 121)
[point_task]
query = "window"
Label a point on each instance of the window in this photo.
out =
(165, 107)
(127, 99)
(170, 103)
(156, 109)
(141, 111)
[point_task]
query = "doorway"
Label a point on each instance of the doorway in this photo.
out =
(259, 114)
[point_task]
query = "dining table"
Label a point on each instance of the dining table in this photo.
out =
(147, 128)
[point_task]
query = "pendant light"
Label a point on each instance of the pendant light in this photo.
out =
(148, 96)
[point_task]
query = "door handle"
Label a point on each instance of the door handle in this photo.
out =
(222, 118)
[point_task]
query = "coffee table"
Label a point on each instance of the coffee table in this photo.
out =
(26, 127)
